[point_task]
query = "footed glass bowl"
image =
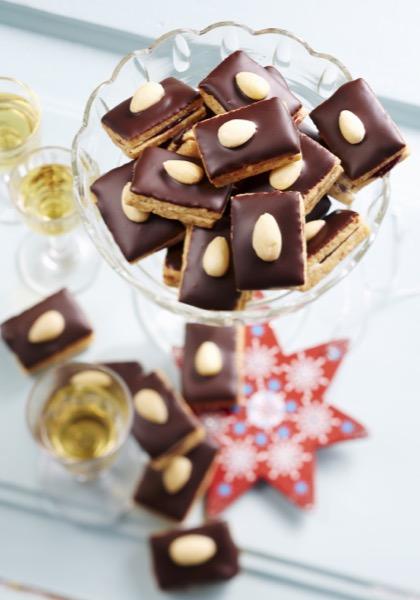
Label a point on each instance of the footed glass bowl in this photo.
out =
(189, 55)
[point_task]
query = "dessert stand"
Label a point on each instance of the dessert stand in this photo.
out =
(189, 55)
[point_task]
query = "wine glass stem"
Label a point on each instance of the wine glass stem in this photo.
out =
(60, 248)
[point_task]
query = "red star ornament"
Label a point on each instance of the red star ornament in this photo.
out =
(284, 420)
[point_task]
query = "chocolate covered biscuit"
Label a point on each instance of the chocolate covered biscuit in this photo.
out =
(163, 423)
(330, 240)
(154, 114)
(247, 141)
(312, 176)
(173, 490)
(207, 277)
(48, 332)
(136, 239)
(268, 243)
(172, 265)
(175, 187)
(204, 554)
(239, 81)
(212, 366)
(356, 128)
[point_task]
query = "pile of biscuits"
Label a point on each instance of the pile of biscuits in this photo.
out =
(232, 179)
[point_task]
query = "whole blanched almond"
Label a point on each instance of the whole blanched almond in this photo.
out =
(266, 238)
(176, 474)
(313, 228)
(252, 85)
(216, 257)
(208, 359)
(91, 377)
(151, 406)
(284, 177)
(184, 171)
(131, 212)
(236, 132)
(146, 95)
(46, 327)
(192, 549)
(351, 127)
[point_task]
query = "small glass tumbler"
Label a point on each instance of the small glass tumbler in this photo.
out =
(56, 255)
(19, 133)
(80, 415)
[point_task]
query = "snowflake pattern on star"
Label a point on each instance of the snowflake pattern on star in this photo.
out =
(239, 459)
(215, 424)
(265, 409)
(274, 434)
(315, 421)
(305, 374)
(285, 459)
(261, 360)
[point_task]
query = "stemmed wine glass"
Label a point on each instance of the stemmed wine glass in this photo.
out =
(56, 255)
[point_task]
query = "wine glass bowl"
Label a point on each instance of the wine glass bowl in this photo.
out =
(189, 55)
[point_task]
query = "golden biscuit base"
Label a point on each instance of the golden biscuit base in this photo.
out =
(323, 262)
(250, 170)
(161, 132)
(344, 189)
(61, 356)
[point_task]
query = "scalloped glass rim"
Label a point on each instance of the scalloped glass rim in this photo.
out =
(285, 302)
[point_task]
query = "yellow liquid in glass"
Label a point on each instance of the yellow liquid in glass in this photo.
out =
(82, 422)
(18, 120)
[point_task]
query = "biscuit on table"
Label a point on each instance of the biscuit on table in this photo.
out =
(332, 239)
(163, 425)
(268, 243)
(356, 128)
(178, 107)
(312, 176)
(172, 491)
(207, 276)
(247, 141)
(212, 368)
(48, 332)
(221, 89)
(136, 240)
(173, 196)
(203, 554)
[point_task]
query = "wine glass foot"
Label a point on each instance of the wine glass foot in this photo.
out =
(98, 502)
(45, 270)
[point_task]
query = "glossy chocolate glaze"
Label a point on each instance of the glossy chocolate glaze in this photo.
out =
(334, 223)
(320, 210)
(382, 139)
(317, 163)
(221, 83)
(220, 388)
(135, 240)
(156, 439)
(198, 288)
(251, 272)
(223, 565)
(308, 128)
(173, 257)
(276, 136)
(150, 179)
(15, 331)
(152, 493)
(129, 125)
(130, 372)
